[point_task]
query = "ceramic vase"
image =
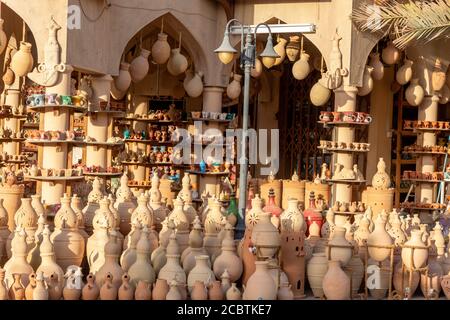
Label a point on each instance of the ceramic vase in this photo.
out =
(335, 283)
(215, 291)
(379, 237)
(343, 253)
(22, 61)
(414, 94)
(177, 63)
(434, 278)
(285, 292)
(194, 87)
(17, 264)
(16, 290)
(400, 285)
(111, 264)
(265, 236)
(405, 72)
(142, 269)
(301, 68)
(319, 94)
(377, 65)
(48, 266)
(234, 87)
(355, 270)
(139, 66)
(367, 83)
(30, 287)
(260, 285)
(123, 80)
(315, 270)
(390, 54)
(292, 219)
(161, 49)
(174, 292)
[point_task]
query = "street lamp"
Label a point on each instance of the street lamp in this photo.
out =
(226, 54)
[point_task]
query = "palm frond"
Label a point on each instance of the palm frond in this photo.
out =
(406, 23)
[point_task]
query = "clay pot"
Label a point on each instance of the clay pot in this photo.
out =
(123, 80)
(194, 86)
(228, 260)
(285, 292)
(433, 281)
(17, 290)
(301, 68)
(160, 290)
(173, 269)
(18, 264)
(293, 48)
(260, 285)
(357, 272)
(215, 291)
(126, 291)
(335, 283)
(378, 279)
(343, 253)
(418, 254)
(233, 293)
(142, 269)
(90, 291)
(143, 291)
(199, 291)
(257, 70)
(438, 76)
(111, 265)
(265, 236)
(292, 219)
(405, 72)
(30, 287)
(280, 50)
(390, 54)
(139, 66)
(161, 49)
(201, 272)
(177, 63)
(315, 270)
(8, 77)
(414, 94)
(108, 291)
(234, 87)
(397, 280)
(37, 205)
(377, 65)
(319, 94)
(48, 266)
(174, 292)
(124, 204)
(367, 83)
(22, 61)
(379, 237)
(40, 291)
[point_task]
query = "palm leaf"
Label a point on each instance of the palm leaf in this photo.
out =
(406, 23)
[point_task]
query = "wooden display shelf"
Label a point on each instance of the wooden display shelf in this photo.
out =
(147, 164)
(103, 174)
(425, 181)
(113, 113)
(345, 181)
(57, 107)
(424, 209)
(151, 120)
(212, 120)
(150, 142)
(424, 152)
(53, 178)
(343, 123)
(139, 186)
(404, 161)
(12, 139)
(80, 142)
(208, 173)
(13, 116)
(30, 125)
(103, 144)
(325, 149)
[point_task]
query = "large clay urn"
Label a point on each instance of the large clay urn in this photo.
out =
(390, 54)
(194, 86)
(379, 237)
(367, 82)
(228, 259)
(177, 63)
(22, 61)
(123, 80)
(315, 270)
(234, 87)
(415, 251)
(343, 250)
(301, 68)
(280, 49)
(405, 72)
(319, 94)
(139, 66)
(414, 94)
(260, 285)
(161, 49)
(335, 283)
(201, 272)
(128, 256)
(377, 65)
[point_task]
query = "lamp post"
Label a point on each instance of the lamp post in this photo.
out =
(226, 54)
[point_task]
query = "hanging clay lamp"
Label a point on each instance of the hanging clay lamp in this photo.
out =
(293, 48)
(123, 80)
(438, 76)
(301, 68)
(319, 94)
(256, 71)
(405, 72)
(414, 93)
(177, 63)
(280, 49)
(194, 87)
(161, 49)
(22, 61)
(234, 87)
(390, 54)
(139, 66)
(378, 67)
(367, 83)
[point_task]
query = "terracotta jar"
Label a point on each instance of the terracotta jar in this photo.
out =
(67, 240)
(379, 237)
(285, 292)
(123, 80)
(30, 287)
(272, 208)
(438, 76)
(174, 292)
(377, 65)
(93, 205)
(415, 252)
(17, 290)
(108, 291)
(233, 293)
(111, 266)
(301, 68)
(40, 292)
(405, 72)
(124, 204)
(228, 260)
(367, 83)
(280, 49)
(315, 270)
(48, 266)
(319, 94)
(128, 256)
(3, 289)
(390, 54)
(265, 236)
(201, 272)
(22, 61)
(177, 63)
(199, 291)
(76, 205)
(357, 272)
(434, 278)
(343, 253)
(234, 87)
(260, 285)
(90, 291)
(54, 288)
(143, 291)
(160, 290)
(293, 48)
(139, 66)
(335, 283)
(194, 87)
(215, 291)
(18, 264)
(312, 213)
(292, 219)
(142, 269)
(161, 49)
(414, 94)
(397, 280)
(126, 291)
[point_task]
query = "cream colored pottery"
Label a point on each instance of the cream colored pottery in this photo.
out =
(416, 256)
(357, 272)
(257, 69)
(177, 63)
(126, 291)
(22, 61)
(405, 72)
(343, 253)
(4, 234)
(181, 221)
(18, 264)
(367, 82)
(174, 292)
(201, 272)
(26, 218)
(438, 76)
(128, 256)
(414, 94)
(225, 281)
(123, 80)
(95, 248)
(265, 236)
(108, 291)
(233, 293)
(292, 219)
(301, 68)
(335, 283)
(315, 270)
(17, 289)
(194, 87)
(142, 213)
(161, 49)
(390, 54)
(377, 65)
(234, 87)
(48, 266)
(40, 292)
(285, 292)
(93, 205)
(9, 76)
(139, 66)
(111, 265)
(319, 94)
(11, 195)
(142, 269)
(55, 288)
(37, 205)
(30, 287)
(260, 285)
(173, 269)
(280, 49)
(143, 291)
(379, 237)
(124, 204)
(228, 260)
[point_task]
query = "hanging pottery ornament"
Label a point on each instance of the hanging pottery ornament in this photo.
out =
(280, 49)
(234, 87)
(177, 63)
(194, 87)
(139, 66)
(390, 54)
(438, 76)
(8, 76)
(22, 61)
(378, 67)
(293, 48)
(415, 93)
(445, 95)
(178, 91)
(3, 38)
(404, 73)
(161, 48)
(123, 80)
(116, 94)
(257, 70)
(301, 67)
(367, 83)
(319, 94)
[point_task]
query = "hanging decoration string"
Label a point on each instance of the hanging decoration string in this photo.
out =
(301, 45)
(278, 35)
(24, 31)
(321, 64)
(162, 24)
(179, 42)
